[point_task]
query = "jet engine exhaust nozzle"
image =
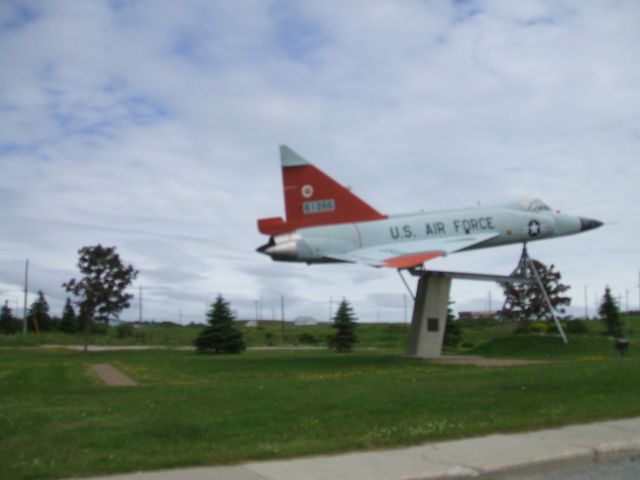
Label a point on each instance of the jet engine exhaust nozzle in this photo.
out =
(282, 247)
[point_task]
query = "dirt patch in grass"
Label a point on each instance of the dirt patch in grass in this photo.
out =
(112, 376)
(486, 362)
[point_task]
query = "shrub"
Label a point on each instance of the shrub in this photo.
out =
(270, 338)
(452, 334)
(98, 328)
(307, 338)
(124, 330)
(577, 327)
(538, 328)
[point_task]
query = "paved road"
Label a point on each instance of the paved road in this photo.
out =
(622, 469)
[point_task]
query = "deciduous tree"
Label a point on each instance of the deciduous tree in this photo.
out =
(525, 302)
(100, 293)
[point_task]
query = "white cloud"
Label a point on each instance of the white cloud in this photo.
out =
(154, 126)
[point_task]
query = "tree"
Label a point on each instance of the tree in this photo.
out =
(8, 324)
(525, 302)
(38, 318)
(610, 314)
(221, 336)
(452, 331)
(100, 293)
(345, 324)
(69, 322)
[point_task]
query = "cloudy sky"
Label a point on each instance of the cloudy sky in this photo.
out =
(154, 126)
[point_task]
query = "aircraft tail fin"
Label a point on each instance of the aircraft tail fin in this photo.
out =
(312, 198)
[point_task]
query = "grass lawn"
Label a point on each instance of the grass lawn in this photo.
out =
(57, 420)
(384, 335)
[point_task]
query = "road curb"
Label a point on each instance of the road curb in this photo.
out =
(493, 456)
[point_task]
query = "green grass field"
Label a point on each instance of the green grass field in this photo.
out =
(267, 334)
(57, 420)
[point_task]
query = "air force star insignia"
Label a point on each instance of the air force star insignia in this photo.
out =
(534, 228)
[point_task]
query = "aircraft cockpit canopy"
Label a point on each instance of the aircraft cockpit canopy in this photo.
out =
(535, 205)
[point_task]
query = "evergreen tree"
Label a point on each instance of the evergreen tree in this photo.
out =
(525, 302)
(69, 322)
(8, 324)
(452, 332)
(610, 314)
(38, 318)
(221, 336)
(344, 322)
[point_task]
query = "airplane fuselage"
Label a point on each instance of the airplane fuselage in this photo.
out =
(501, 225)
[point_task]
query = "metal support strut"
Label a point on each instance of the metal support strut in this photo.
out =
(552, 311)
(432, 297)
(413, 297)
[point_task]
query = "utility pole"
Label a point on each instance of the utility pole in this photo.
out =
(140, 307)
(260, 316)
(26, 294)
(627, 302)
(282, 312)
(586, 304)
(330, 308)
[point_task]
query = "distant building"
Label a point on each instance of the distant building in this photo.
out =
(477, 314)
(305, 321)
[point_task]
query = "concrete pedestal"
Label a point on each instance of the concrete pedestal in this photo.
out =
(429, 317)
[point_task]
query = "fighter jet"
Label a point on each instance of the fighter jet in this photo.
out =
(326, 222)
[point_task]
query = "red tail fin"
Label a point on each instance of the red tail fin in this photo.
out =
(313, 198)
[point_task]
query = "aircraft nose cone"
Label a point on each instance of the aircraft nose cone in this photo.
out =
(589, 224)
